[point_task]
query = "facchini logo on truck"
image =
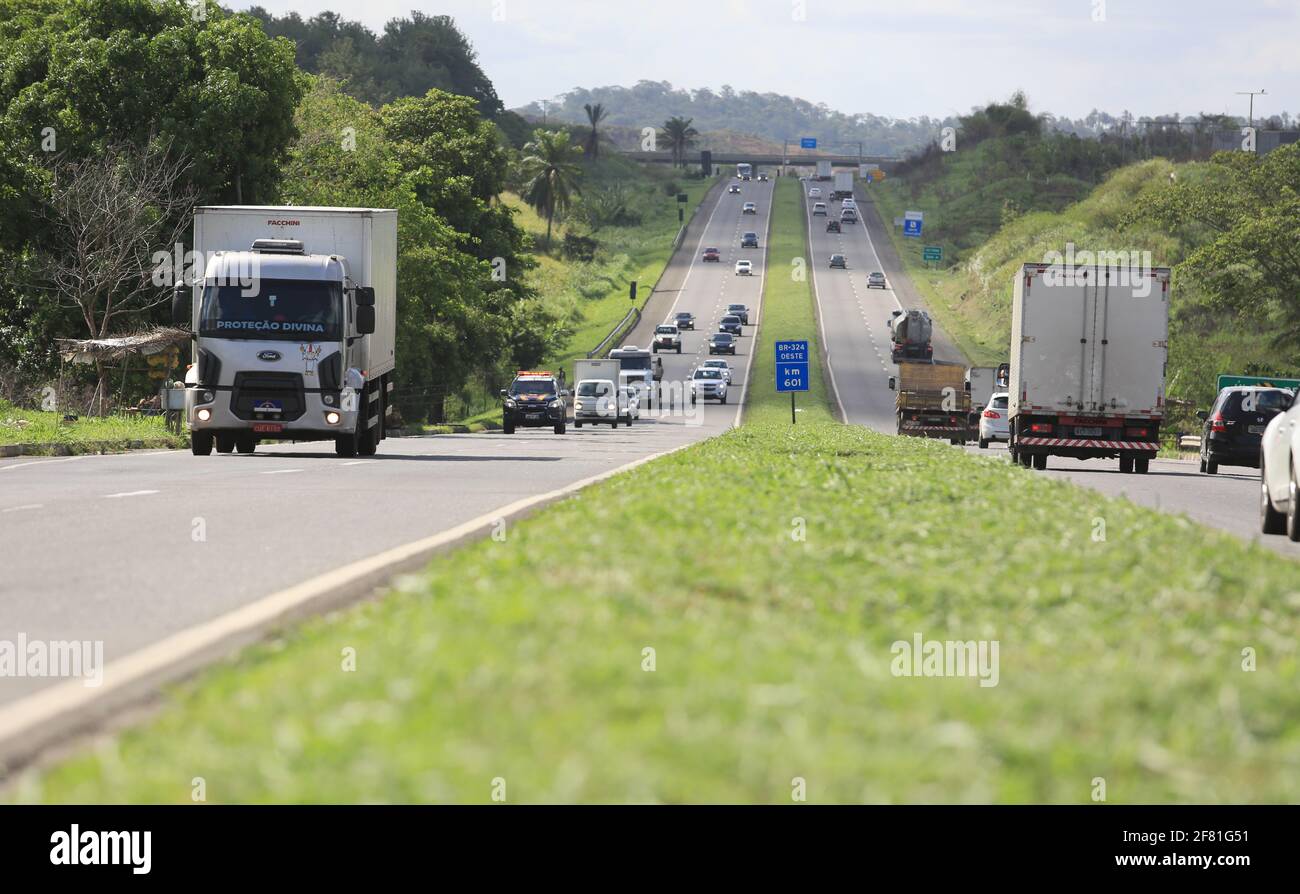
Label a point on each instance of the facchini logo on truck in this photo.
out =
(1127, 269)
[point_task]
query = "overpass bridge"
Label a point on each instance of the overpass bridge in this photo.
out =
(886, 163)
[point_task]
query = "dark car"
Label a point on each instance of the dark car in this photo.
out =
(762, 178)
(685, 320)
(733, 188)
(731, 323)
(533, 400)
(840, 261)
(739, 310)
(832, 226)
(1233, 426)
(712, 254)
(722, 343)
(749, 240)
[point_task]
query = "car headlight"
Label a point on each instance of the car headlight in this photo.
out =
(510, 404)
(556, 404)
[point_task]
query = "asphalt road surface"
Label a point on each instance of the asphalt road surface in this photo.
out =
(129, 548)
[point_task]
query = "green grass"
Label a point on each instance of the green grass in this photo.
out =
(18, 426)
(772, 616)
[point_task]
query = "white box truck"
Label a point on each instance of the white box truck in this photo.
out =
(1089, 346)
(597, 394)
(823, 170)
(294, 313)
(843, 185)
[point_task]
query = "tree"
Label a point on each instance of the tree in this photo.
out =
(108, 216)
(595, 114)
(551, 173)
(680, 136)
(1245, 215)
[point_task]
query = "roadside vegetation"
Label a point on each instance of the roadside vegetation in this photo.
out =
(650, 665)
(111, 433)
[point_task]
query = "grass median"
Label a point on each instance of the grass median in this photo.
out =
(49, 431)
(723, 624)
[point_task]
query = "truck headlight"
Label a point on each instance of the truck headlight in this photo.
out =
(204, 415)
(332, 418)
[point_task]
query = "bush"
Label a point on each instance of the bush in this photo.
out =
(578, 248)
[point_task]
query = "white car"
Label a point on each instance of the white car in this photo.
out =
(744, 268)
(667, 338)
(815, 192)
(819, 208)
(1279, 498)
(721, 365)
(749, 208)
(995, 421)
(848, 203)
(708, 384)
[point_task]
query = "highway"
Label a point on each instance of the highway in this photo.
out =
(129, 549)
(853, 319)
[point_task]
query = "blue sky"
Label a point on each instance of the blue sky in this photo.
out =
(901, 59)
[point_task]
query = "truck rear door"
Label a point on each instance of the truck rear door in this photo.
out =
(1129, 347)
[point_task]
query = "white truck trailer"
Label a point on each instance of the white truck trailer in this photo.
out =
(843, 185)
(823, 170)
(1089, 346)
(294, 318)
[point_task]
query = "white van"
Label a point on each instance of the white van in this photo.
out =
(601, 401)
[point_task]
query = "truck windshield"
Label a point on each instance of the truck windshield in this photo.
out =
(283, 309)
(626, 363)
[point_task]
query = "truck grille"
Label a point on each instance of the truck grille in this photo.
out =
(252, 390)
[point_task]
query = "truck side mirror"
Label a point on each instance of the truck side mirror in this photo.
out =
(893, 382)
(1202, 415)
(182, 310)
(365, 296)
(365, 319)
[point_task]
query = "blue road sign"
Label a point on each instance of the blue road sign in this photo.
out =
(808, 143)
(912, 228)
(791, 366)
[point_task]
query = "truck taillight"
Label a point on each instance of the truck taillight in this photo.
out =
(991, 414)
(1042, 428)
(1137, 432)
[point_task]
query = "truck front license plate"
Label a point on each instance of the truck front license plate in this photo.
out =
(1088, 432)
(268, 428)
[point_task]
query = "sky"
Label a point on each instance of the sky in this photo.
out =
(900, 59)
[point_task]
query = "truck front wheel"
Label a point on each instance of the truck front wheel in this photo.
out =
(201, 443)
(345, 446)
(225, 442)
(245, 442)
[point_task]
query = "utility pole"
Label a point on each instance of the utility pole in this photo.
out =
(1252, 94)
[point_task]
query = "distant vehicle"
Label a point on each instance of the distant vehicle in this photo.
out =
(720, 365)
(636, 369)
(596, 401)
(876, 280)
(819, 208)
(749, 208)
(734, 189)
(744, 268)
(848, 215)
(932, 401)
(848, 202)
(843, 184)
(840, 261)
(749, 240)
(1089, 347)
(708, 384)
(667, 338)
(832, 226)
(1279, 498)
(815, 192)
(762, 178)
(982, 384)
(910, 333)
(1234, 426)
(739, 310)
(712, 254)
(629, 404)
(533, 400)
(744, 170)
(722, 343)
(731, 323)
(823, 170)
(685, 320)
(994, 424)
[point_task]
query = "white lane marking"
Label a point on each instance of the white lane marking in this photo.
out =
(40, 462)
(130, 493)
(24, 508)
(281, 471)
(362, 462)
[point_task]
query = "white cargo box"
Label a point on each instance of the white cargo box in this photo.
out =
(1089, 340)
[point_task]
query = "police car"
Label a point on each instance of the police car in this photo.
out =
(533, 400)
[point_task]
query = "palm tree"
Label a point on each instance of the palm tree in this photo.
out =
(595, 114)
(551, 174)
(680, 136)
